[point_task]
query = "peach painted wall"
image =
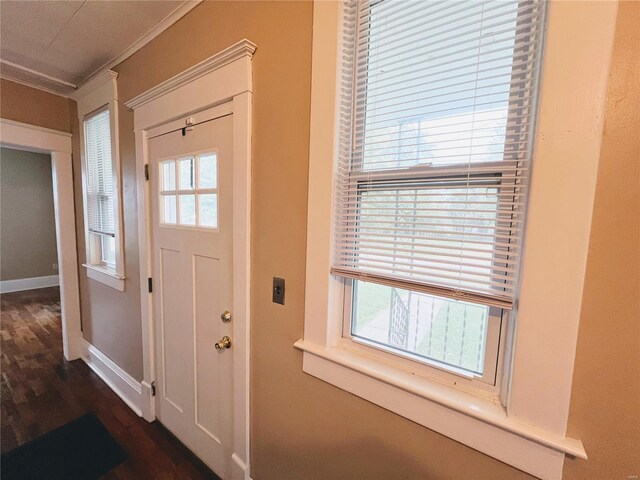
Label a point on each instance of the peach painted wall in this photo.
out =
(303, 428)
(28, 105)
(605, 401)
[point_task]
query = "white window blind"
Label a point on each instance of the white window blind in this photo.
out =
(100, 188)
(438, 103)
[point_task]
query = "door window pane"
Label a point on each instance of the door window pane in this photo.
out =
(187, 209)
(187, 174)
(208, 210)
(436, 328)
(208, 171)
(169, 175)
(169, 209)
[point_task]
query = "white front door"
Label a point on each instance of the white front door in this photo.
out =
(192, 224)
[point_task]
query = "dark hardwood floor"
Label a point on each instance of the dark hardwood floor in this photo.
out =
(42, 391)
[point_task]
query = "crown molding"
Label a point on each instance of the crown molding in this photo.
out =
(35, 86)
(36, 73)
(46, 83)
(244, 48)
(169, 20)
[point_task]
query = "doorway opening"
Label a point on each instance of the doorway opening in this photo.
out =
(28, 253)
(22, 143)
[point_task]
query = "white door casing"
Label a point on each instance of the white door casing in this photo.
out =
(224, 78)
(193, 285)
(22, 136)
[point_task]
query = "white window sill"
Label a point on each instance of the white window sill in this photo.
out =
(478, 422)
(105, 275)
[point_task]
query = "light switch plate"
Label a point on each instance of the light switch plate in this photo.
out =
(278, 290)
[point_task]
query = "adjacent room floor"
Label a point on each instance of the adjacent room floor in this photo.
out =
(42, 391)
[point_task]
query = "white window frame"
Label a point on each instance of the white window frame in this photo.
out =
(97, 95)
(526, 428)
(487, 385)
(196, 190)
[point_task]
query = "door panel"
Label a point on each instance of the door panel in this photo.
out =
(192, 231)
(208, 380)
(174, 341)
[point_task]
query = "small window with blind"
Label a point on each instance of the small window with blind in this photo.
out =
(100, 193)
(437, 109)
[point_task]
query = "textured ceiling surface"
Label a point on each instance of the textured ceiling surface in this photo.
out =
(70, 40)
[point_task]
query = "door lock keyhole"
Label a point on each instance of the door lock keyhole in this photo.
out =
(224, 343)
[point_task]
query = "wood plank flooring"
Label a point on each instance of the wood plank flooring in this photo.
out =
(41, 391)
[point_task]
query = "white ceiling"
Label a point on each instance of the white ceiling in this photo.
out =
(57, 45)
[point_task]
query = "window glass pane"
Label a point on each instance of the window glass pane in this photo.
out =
(187, 209)
(109, 250)
(208, 171)
(447, 331)
(208, 210)
(168, 209)
(187, 173)
(169, 175)
(447, 106)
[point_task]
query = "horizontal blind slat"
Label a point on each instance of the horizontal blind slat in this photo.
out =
(100, 183)
(434, 144)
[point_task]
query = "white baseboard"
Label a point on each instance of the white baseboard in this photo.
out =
(21, 284)
(148, 402)
(123, 384)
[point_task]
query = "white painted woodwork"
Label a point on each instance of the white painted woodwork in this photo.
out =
(102, 92)
(22, 136)
(123, 384)
(194, 286)
(223, 80)
(21, 284)
(214, 80)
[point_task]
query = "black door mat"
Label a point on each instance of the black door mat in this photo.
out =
(80, 450)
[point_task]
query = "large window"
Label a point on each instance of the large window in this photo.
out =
(425, 293)
(437, 108)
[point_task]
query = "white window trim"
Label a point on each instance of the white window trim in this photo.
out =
(529, 432)
(99, 93)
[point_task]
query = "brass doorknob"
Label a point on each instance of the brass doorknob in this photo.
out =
(224, 343)
(226, 316)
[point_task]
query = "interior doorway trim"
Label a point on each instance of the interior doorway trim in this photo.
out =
(223, 78)
(31, 138)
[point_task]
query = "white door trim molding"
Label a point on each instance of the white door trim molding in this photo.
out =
(32, 138)
(221, 78)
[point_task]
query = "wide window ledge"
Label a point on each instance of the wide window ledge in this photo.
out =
(105, 275)
(477, 422)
